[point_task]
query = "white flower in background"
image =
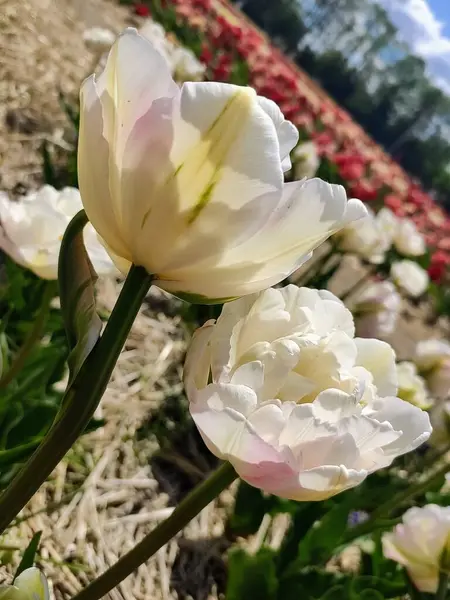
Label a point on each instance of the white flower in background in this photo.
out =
(388, 222)
(432, 358)
(186, 66)
(156, 35)
(365, 239)
(410, 277)
(31, 584)
(404, 233)
(98, 39)
(189, 183)
(408, 240)
(281, 389)
(411, 386)
(440, 420)
(31, 231)
(421, 543)
(376, 310)
(305, 160)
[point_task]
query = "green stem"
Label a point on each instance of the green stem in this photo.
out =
(200, 497)
(33, 337)
(442, 590)
(384, 510)
(80, 400)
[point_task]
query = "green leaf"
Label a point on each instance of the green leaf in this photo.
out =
(335, 593)
(77, 277)
(325, 536)
(250, 507)
(360, 586)
(29, 554)
(252, 576)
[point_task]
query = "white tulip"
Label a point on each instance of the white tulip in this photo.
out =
(98, 39)
(156, 34)
(404, 233)
(31, 584)
(408, 240)
(31, 231)
(411, 386)
(440, 420)
(365, 239)
(388, 222)
(186, 66)
(410, 277)
(189, 183)
(376, 310)
(421, 543)
(305, 160)
(281, 389)
(432, 358)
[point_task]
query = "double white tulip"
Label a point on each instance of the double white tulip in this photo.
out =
(422, 544)
(410, 277)
(432, 358)
(182, 62)
(411, 386)
(31, 231)
(280, 387)
(404, 234)
(31, 584)
(306, 160)
(366, 239)
(376, 310)
(98, 39)
(189, 183)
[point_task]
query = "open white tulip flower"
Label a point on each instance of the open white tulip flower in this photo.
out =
(411, 386)
(410, 277)
(31, 231)
(305, 160)
(365, 239)
(188, 183)
(280, 387)
(421, 543)
(432, 358)
(98, 39)
(406, 237)
(31, 584)
(187, 67)
(376, 310)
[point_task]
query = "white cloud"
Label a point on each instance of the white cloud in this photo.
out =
(420, 28)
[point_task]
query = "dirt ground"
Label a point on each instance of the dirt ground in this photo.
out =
(108, 493)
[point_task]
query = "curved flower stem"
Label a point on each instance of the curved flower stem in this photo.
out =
(384, 510)
(32, 338)
(442, 590)
(359, 283)
(200, 497)
(80, 400)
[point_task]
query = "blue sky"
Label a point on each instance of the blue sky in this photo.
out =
(441, 9)
(425, 25)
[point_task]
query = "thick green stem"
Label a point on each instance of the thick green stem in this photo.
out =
(442, 590)
(33, 337)
(384, 510)
(80, 400)
(200, 497)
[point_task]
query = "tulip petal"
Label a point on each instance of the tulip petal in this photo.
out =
(412, 422)
(287, 133)
(378, 358)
